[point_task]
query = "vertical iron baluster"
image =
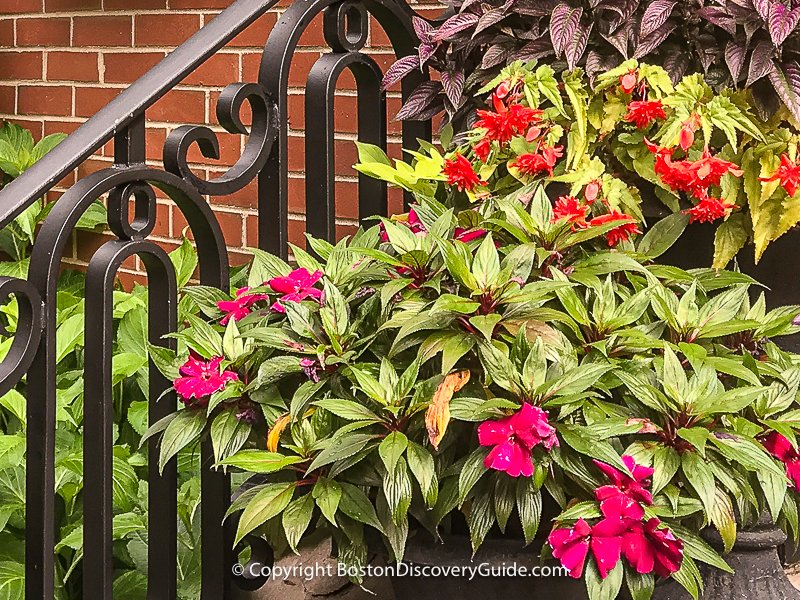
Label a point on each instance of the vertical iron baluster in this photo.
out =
(320, 163)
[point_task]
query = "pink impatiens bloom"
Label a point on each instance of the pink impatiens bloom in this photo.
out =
(651, 547)
(514, 437)
(201, 379)
(295, 287)
(467, 235)
(572, 545)
(781, 448)
(240, 306)
(623, 484)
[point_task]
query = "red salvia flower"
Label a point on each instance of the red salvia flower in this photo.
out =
(709, 209)
(541, 162)
(508, 122)
(788, 174)
(570, 209)
(644, 113)
(482, 149)
(459, 173)
(621, 233)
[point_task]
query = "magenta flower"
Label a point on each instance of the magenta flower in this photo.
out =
(467, 235)
(240, 306)
(295, 287)
(634, 488)
(412, 222)
(572, 545)
(201, 379)
(650, 547)
(781, 448)
(514, 437)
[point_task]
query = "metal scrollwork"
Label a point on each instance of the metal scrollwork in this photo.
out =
(27, 334)
(346, 26)
(256, 151)
(119, 218)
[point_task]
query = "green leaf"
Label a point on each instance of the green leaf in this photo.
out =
(182, 430)
(640, 586)
(723, 518)
(480, 520)
(397, 489)
(340, 448)
(471, 472)
(603, 589)
(700, 477)
(529, 507)
(184, 259)
(355, 504)
(666, 462)
(696, 436)
(422, 466)
(391, 449)
(661, 236)
(228, 434)
(327, 494)
(269, 502)
(296, 519)
(486, 266)
(260, 461)
(349, 410)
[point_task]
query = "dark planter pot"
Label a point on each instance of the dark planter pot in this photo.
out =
(497, 557)
(758, 573)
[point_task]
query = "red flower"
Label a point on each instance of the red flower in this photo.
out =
(571, 546)
(649, 547)
(781, 448)
(628, 81)
(709, 209)
(295, 287)
(533, 164)
(514, 437)
(239, 307)
(623, 484)
(643, 113)
(467, 235)
(591, 191)
(201, 379)
(460, 174)
(410, 220)
(507, 122)
(569, 208)
(620, 233)
(482, 149)
(693, 177)
(789, 175)
(688, 128)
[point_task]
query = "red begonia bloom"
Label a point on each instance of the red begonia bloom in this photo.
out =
(591, 191)
(514, 437)
(200, 379)
(618, 234)
(709, 209)
(781, 448)
(788, 174)
(643, 113)
(570, 209)
(507, 122)
(240, 306)
(686, 138)
(540, 162)
(634, 487)
(295, 287)
(459, 173)
(693, 177)
(628, 81)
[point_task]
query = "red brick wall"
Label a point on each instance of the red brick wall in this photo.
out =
(61, 60)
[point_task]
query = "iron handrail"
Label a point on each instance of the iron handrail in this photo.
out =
(127, 106)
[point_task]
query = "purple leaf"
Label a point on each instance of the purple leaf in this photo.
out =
(718, 17)
(425, 51)
(399, 69)
(419, 100)
(786, 81)
(760, 62)
(533, 50)
(491, 17)
(577, 45)
(782, 22)
(453, 84)
(624, 10)
(564, 22)
(621, 38)
(651, 42)
(762, 7)
(655, 15)
(495, 55)
(675, 64)
(455, 24)
(735, 53)
(598, 63)
(422, 28)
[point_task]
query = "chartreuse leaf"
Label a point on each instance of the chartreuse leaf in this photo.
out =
(723, 518)
(666, 462)
(269, 502)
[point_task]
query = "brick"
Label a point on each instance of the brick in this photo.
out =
(180, 4)
(6, 33)
(231, 224)
(246, 113)
(20, 65)
(126, 67)
(34, 126)
(165, 30)
(71, 5)
(180, 106)
(72, 66)
(134, 4)
(18, 7)
(256, 35)
(218, 71)
(7, 99)
(89, 100)
(54, 126)
(229, 150)
(44, 100)
(101, 31)
(49, 31)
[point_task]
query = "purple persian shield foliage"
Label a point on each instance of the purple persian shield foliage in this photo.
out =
(734, 43)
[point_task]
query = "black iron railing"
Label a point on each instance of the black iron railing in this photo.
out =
(131, 182)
